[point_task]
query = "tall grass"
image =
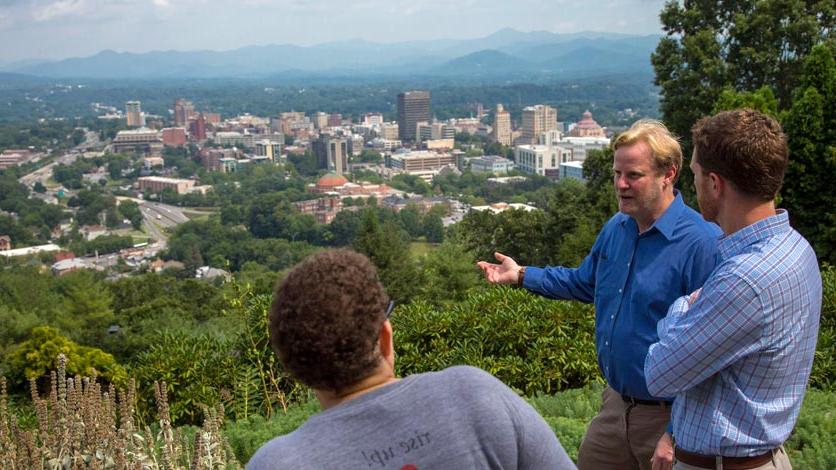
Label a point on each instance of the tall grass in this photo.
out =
(81, 425)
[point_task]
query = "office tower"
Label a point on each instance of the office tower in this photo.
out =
(197, 127)
(502, 126)
(183, 111)
(331, 153)
(320, 120)
(133, 111)
(413, 107)
(536, 120)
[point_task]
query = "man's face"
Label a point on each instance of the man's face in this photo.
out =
(638, 184)
(705, 198)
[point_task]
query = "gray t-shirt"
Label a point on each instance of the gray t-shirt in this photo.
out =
(459, 418)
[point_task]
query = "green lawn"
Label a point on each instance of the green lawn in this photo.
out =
(421, 248)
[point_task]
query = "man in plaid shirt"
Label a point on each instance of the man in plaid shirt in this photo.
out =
(738, 352)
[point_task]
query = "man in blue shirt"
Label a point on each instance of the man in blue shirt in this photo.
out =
(737, 353)
(653, 251)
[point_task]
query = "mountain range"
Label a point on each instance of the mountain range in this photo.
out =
(505, 54)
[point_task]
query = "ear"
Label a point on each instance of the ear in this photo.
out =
(670, 175)
(386, 343)
(717, 185)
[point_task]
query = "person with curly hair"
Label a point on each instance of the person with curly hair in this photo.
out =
(329, 326)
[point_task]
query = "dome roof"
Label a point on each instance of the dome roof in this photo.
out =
(331, 180)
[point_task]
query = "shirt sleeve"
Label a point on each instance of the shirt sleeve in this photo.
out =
(558, 282)
(700, 264)
(696, 341)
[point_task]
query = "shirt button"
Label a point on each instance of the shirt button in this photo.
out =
(628, 263)
(619, 291)
(606, 343)
(612, 317)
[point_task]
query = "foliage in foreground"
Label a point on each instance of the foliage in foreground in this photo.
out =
(532, 344)
(79, 425)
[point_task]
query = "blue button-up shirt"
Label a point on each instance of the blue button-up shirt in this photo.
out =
(738, 359)
(633, 278)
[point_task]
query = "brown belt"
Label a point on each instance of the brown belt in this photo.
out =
(729, 463)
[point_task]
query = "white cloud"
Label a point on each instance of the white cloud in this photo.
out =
(162, 3)
(58, 9)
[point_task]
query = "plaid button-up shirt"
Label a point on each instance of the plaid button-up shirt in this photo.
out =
(738, 358)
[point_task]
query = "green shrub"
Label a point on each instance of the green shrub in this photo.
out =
(812, 444)
(532, 344)
(246, 436)
(35, 357)
(569, 413)
(823, 375)
(197, 370)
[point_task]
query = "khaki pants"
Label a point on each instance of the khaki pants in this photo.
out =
(780, 461)
(622, 436)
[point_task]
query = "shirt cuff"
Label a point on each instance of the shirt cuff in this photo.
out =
(533, 277)
(678, 307)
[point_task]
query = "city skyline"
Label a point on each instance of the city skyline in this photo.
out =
(59, 29)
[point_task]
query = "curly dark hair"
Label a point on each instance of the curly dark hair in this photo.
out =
(744, 146)
(326, 317)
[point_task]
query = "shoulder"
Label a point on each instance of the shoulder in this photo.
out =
(692, 223)
(466, 376)
(471, 384)
(616, 221)
(272, 454)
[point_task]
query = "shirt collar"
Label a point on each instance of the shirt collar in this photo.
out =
(733, 244)
(666, 223)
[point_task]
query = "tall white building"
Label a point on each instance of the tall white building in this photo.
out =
(501, 126)
(543, 158)
(133, 113)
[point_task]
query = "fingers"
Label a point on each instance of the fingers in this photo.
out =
(694, 296)
(499, 256)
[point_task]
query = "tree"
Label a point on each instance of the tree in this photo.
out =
(87, 309)
(762, 100)
(449, 272)
(811, 127)
(433, 228)
(130, 210)
(410, 218)
(740, 45)
(38, 187)
(343, 229)
(38, 355)
(387, 247)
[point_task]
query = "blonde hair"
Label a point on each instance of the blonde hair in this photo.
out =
(664, 146)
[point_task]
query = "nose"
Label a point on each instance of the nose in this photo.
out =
(621, 182)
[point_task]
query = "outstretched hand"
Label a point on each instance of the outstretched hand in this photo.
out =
(505, 272)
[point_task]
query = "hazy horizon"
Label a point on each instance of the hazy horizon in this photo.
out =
(60, 29)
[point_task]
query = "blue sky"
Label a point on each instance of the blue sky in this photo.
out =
(53, 29)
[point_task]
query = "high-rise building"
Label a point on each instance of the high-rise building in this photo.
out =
(413, 107)
(133, 111)
(268, 148)
(183, 111)
(501, 126)
(389, 131)
(331, 153)
(536, 120)
(335, 120)
(320, 120)
(197, 127)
